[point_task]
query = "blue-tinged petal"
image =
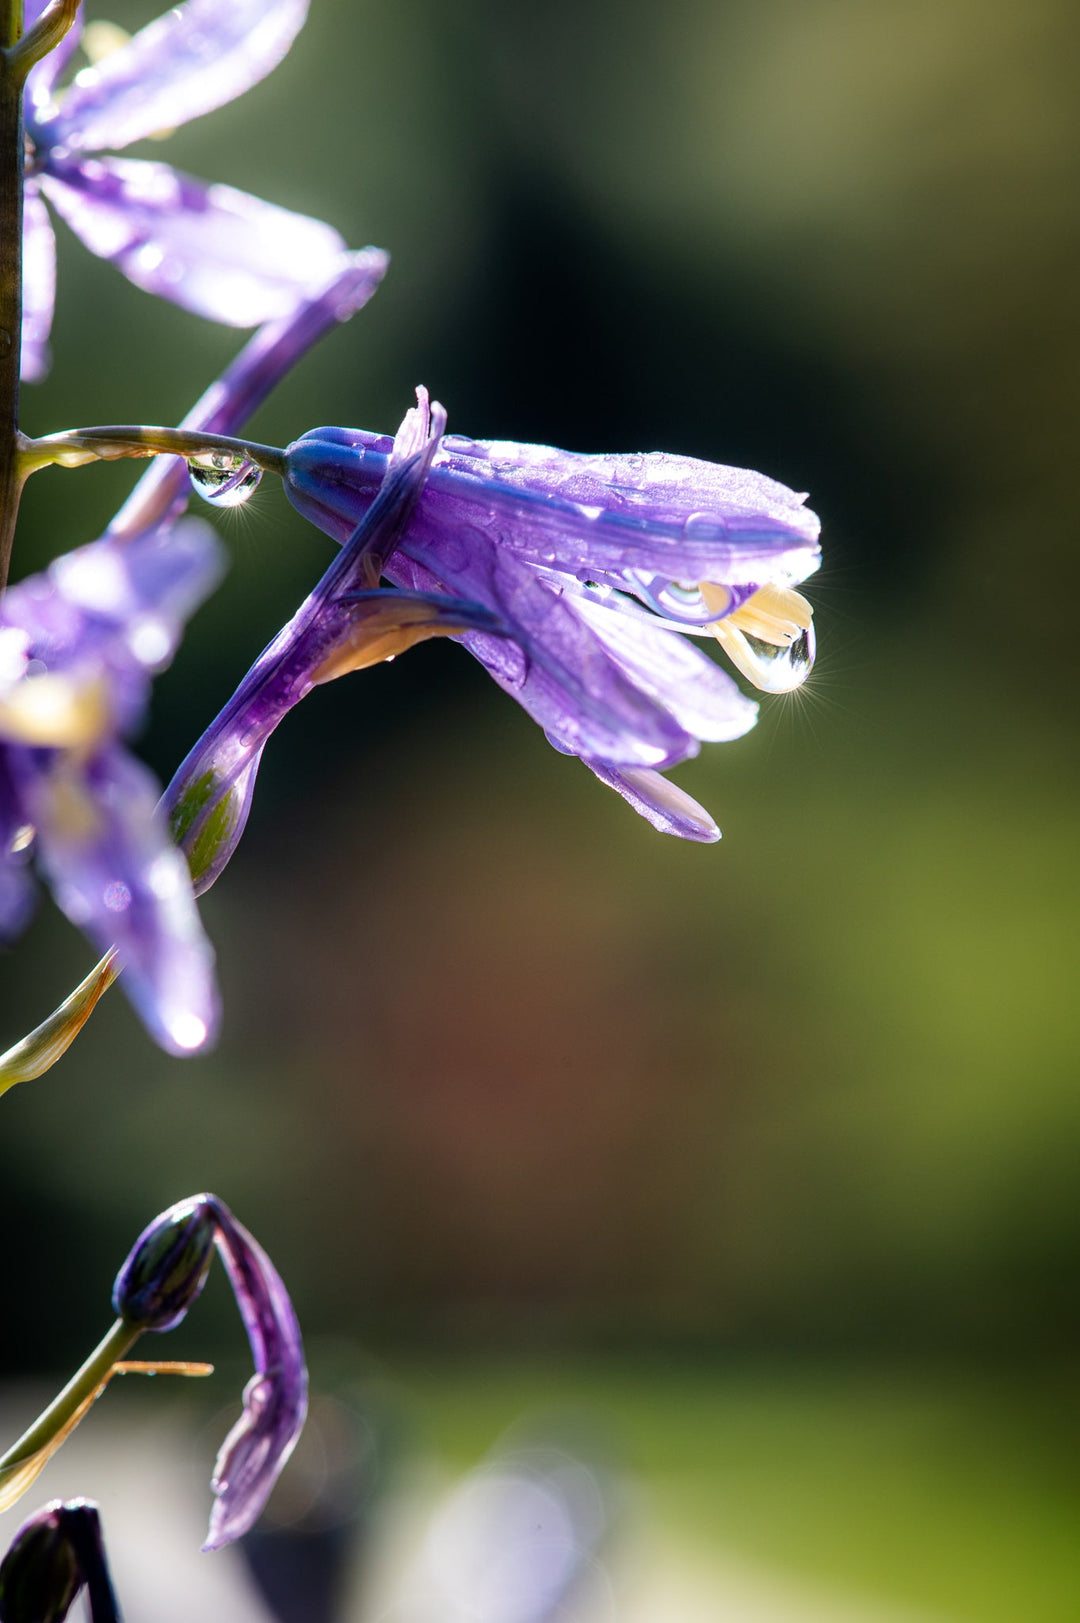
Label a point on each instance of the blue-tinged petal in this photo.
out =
(677, 517)
(703, 698)
(661, 802)
(275, 1399)
(209, 248)
(39, 285)
(550, 661)
(194, 58)
(105, 848)
(17, 893)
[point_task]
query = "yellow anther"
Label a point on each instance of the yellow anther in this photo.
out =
(53, 712)
(769, 638)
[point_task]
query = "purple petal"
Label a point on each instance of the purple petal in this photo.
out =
(666, 806)
(39, 285)
(194, 58)
(117, 612)
(105, 848)
(701, 696)
(209, 248)
(550, 661)
(275, 1399)
(676, 516)
(17, 892)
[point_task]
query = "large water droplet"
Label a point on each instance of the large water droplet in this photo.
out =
(771, 667)
(223, 478)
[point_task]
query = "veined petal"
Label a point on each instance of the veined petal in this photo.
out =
(703, 698)
(676, 517)
(661, 802)
(209, 248)
(105, 847)
(194, 58)
(275, 1399)
(39, 285)
(550, 661)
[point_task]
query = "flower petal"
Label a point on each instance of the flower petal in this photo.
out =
(105, 848)
(209, 248)
(663, 804)
(675, 516)
(275, 1399)
(703, 698)
(39, 285)
(17, 893)
(194, 58)
(550, 661)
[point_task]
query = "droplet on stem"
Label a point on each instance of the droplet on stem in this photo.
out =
(223, 478)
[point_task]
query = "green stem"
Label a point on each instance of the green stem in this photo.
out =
(11, 226)
(82, 1385)
(77, 446)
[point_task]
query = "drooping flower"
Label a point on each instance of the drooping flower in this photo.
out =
(79, 645)
(161, 1277)
(56, 1554)
(210, 248)
(597, 567)
(344, 625)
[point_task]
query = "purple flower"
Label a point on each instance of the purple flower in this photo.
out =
(78, 647)
(161, 1277)
(210, 248)
(55, 1553)
(344, 625)
(597, 567)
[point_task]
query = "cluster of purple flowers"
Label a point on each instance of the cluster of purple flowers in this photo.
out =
(578, 582)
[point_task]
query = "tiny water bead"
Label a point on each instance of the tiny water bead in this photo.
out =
(223, 478)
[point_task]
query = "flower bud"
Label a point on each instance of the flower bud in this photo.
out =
(166, 1268)
(41, 1574)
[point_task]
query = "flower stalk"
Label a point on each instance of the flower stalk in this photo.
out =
(77, 446)
(11, 231)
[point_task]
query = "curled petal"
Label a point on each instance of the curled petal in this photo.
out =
(275, 1399)
(39, 285)
(661, 802)
(196, 57)
(115, 872)
(209, 248)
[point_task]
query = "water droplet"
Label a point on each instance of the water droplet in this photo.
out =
(772, 667)
(223, 478)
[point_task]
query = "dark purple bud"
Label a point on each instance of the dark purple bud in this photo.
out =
(167, 1266)
(51, 1557)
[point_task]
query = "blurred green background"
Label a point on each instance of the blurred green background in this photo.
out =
(787, 1129)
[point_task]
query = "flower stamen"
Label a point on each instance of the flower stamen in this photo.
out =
(769, 638)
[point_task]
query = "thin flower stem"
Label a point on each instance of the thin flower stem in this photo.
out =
(77, 446)
(24, 1459)
(11, 230)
